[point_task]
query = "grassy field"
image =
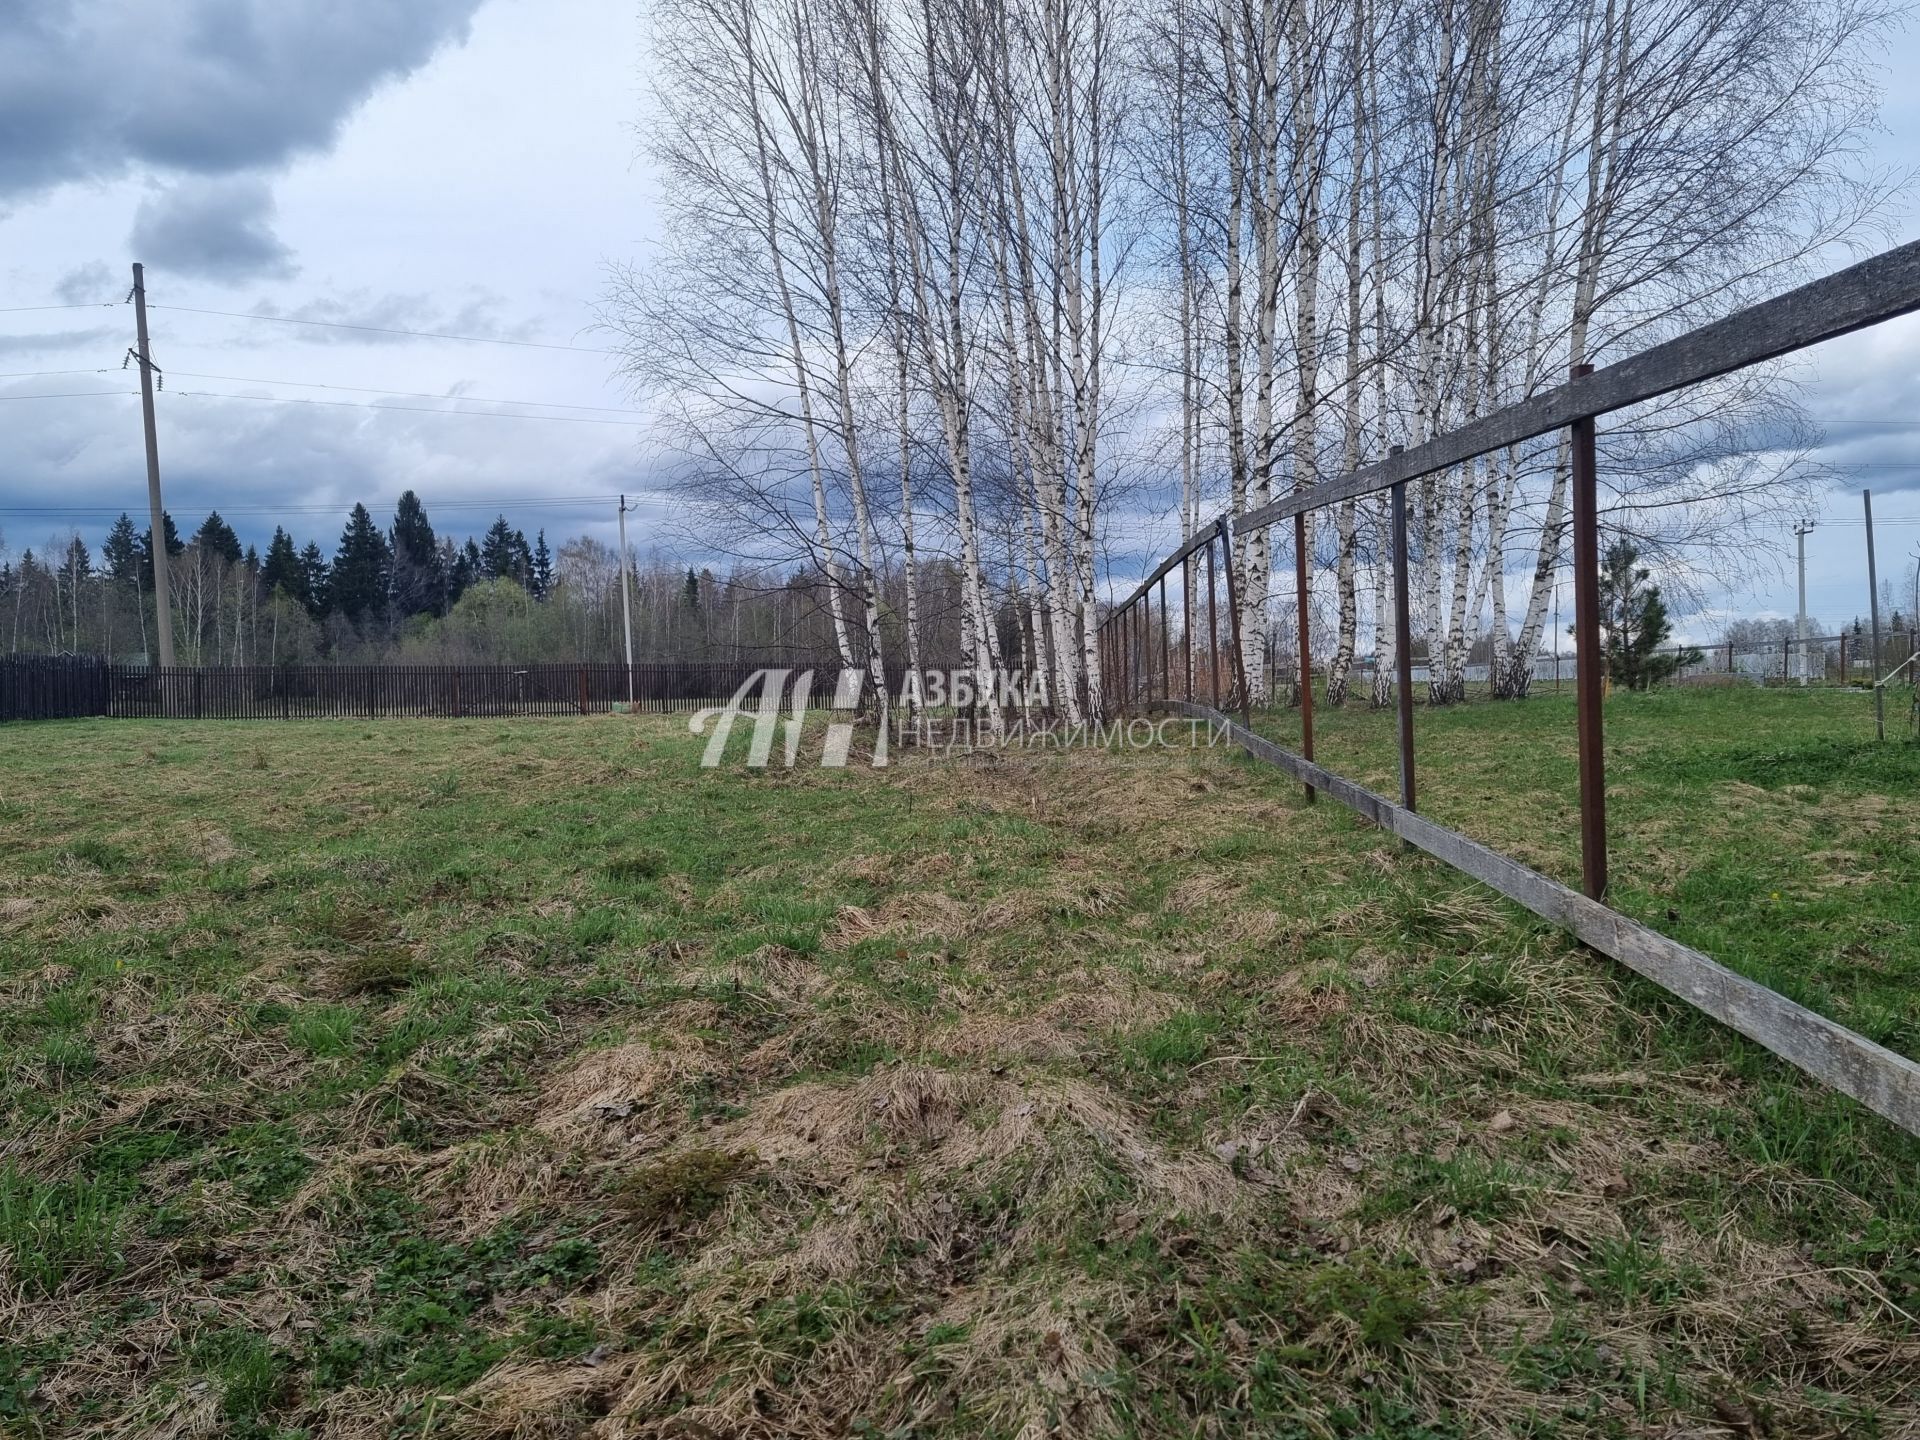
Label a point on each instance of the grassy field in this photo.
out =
(1765, 827)
(523, 1079)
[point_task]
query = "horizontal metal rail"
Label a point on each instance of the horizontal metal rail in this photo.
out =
(1885, 1082)
(1878, 289)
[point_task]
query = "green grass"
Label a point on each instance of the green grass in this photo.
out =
(1768, 828)
(459, 1078)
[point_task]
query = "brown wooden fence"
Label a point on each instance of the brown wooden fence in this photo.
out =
(32, 689)
(52, 687)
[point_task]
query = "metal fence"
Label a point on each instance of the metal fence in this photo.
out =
(1143, 674)
(1845, 659)
(45, 689)
(53, 687)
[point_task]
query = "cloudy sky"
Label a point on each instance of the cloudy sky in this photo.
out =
(468, 168)
(464, 167)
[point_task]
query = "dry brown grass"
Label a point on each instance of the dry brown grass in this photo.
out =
(1116, 1113)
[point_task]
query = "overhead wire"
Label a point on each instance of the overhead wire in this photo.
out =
(502, 503)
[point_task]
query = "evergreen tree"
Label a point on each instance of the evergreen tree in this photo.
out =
(690, 596)
(418, 585)
(175, 545)
(357, 580)
(315, 566)
(504, 554)
(1635, 620)
(122, 552)
(496, 551)
(542, 571)
(216, 537)
(284, 572)
(454, 573)
(473, 568)
(78, 564)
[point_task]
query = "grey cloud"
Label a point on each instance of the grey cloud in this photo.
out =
(216, 86)
(48, 341)
(367, 315)
(302, 466)
(212, 230)
(93, 281)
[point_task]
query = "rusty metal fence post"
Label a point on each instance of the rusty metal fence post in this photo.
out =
(1186, 620)
(1213, 634)
(1233, 622)
(1166, 651)
(1402, 642)
(1306, 653)
(1589, 658)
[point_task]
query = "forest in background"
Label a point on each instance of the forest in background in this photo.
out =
(403, 593)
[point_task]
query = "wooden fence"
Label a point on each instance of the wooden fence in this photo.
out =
(1141, 673)
(37, 689)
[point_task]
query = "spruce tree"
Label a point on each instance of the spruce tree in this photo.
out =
(496, 550)
(284, 571)
(418, 585)
(175, 545)
(357, 580)
(542, 573)
(454, 572)
(216, 537)
(504, 554)
(313, 565)
(1635, 619)
(78, 564)
(473, 568)
(122, 552)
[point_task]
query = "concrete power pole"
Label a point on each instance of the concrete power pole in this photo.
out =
(626, 605)
(1801, 530)
(163, 627)
(1873, 611)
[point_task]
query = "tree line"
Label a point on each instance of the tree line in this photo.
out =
(405, 593)
(1044, 285)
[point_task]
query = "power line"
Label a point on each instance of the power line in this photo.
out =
(390, 330)
(83, 305)
(69, 394)
(500, 503)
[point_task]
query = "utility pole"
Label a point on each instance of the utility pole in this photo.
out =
(163, 608)
(626, 605)
(1801, 530)
(1873, 610)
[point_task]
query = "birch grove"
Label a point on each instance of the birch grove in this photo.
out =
(1040, 287)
